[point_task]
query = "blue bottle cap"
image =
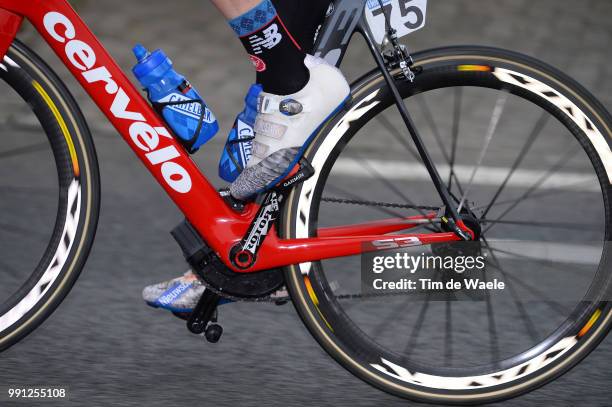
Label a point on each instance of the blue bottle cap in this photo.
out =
(147, 62)
(140, 52)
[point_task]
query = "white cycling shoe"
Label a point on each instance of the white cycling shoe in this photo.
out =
(285, 124)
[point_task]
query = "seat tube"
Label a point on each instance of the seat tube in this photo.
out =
(337, 29)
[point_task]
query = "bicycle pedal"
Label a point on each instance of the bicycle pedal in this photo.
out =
(213, 333)
(203, 313)
(234, 203)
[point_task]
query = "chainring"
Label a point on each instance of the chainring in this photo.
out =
(237, 286)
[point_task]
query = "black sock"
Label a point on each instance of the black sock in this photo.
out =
(303, 18)
(276, 55)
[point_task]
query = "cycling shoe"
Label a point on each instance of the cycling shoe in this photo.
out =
(285, 124)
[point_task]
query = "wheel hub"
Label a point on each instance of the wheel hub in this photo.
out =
(462, 248)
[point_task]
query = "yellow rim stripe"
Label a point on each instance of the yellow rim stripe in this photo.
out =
(589, 324)
(315, 300)
(310, 290)
(62, 124)
(480, 68)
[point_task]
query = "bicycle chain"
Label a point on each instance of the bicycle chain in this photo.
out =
(379, 204)
(271, 299)
(283, 300)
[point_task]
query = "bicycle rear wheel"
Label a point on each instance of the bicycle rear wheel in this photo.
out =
(527, 151)
(50, 193)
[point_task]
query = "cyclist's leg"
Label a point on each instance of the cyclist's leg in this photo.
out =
(281, 68)
(299, 91)
(233, 8)
(277, 57)
(302, 19)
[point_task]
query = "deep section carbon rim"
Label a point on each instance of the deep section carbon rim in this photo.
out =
(50, 201)
(444, 357)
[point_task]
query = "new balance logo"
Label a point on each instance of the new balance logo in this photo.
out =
(271, 38)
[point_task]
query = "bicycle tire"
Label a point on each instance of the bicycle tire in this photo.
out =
(79, 193)
(370, 96)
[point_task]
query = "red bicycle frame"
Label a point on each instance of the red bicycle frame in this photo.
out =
(219, 225)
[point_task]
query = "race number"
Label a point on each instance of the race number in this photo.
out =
(405, 16)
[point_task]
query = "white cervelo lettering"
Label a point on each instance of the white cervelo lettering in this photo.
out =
(143, 135)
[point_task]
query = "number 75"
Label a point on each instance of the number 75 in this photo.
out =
(405, 9)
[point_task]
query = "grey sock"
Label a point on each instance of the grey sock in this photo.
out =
(262, 174)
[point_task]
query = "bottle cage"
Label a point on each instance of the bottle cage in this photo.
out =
(188, 144)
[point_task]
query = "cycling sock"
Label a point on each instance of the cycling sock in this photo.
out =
(278, 58)
(303, 18)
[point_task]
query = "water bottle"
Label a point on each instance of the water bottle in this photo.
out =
(172, 95)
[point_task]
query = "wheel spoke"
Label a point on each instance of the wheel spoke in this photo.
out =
(392, 317)
(493, 338)
(397, 135)
(554, 305)
(558, 225)
(448, 336)
(418, 325)
(429, 118)
(537, 130)
(555, 168)
(377, 175)
(434, 128)
(455, 134)
(529, 325)
(534, 195)
(545, 263)
(498, 110)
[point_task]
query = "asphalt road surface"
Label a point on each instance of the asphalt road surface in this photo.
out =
(108, 348)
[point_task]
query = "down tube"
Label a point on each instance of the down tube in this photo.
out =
(132, 116)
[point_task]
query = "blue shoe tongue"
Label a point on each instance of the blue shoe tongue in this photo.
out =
(236, 154)
(250, 111)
